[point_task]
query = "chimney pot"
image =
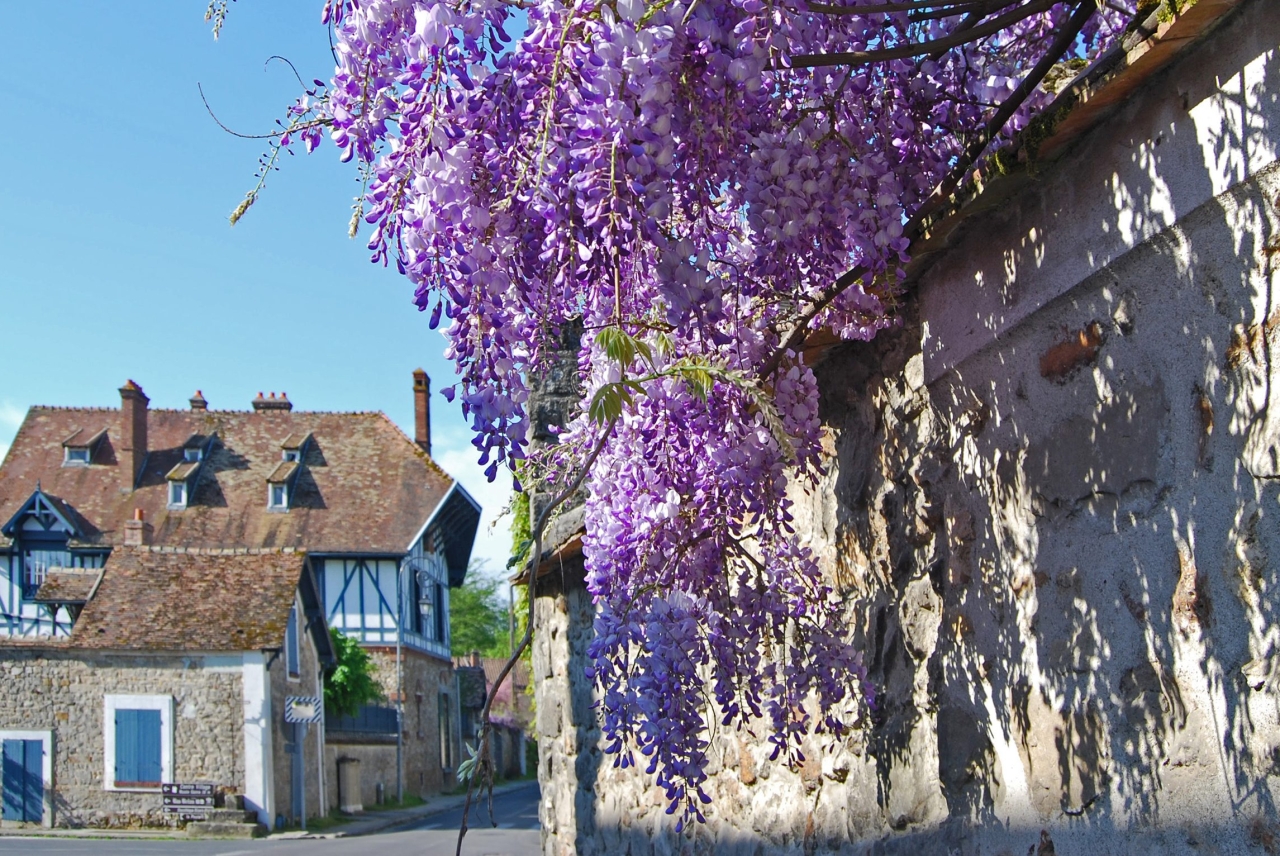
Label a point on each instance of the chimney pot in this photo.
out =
(133, 445)
(137, 532)
(422, 410)
(198, 402)
(272, 403)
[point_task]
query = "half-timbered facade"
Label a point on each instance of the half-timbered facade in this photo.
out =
(385, 531)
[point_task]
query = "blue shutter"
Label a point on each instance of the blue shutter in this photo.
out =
(441, 633)
(137, 747)
(14, 772)
(291, 641)
(33, 792)
(126, 746)
(148, 747)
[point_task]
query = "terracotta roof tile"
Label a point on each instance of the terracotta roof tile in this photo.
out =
(365, 486)
(190, 600)
(68, 585)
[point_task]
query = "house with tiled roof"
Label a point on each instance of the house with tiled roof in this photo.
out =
(141, 535)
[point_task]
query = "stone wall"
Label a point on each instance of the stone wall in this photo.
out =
(565, 723)
(424, 679)
(64, 693)
(1051, 503)
(377, 767)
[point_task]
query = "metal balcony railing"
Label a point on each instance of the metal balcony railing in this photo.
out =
(370, 719)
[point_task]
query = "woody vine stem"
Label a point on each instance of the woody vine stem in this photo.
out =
(696, 184)
(482, 770)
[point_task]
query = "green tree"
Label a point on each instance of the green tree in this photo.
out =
(349, 685)
(478, 617)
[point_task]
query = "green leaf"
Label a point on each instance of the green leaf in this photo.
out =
(618, 345)
(349, 683)
(467, 768)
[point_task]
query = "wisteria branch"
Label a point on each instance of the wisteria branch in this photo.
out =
(483, 768)
(972, 34)
(1060, 45)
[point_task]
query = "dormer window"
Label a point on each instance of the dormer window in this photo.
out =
(284, 477)
(78, 449)
(197, 448)
(185, 474)
(293, 447)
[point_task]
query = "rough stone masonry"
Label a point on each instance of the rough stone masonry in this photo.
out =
(1051, 503)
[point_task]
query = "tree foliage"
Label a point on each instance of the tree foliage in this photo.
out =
(349, 685)
(478, 617)
(698, 184)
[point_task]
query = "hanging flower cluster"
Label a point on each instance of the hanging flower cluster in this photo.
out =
(685, 179)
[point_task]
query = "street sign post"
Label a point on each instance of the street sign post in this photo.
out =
(190, 801)
(302, 711)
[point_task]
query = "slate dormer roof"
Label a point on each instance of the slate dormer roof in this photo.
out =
(154, 599)
(362, 485)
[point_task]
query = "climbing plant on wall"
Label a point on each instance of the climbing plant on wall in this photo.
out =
(699, 184)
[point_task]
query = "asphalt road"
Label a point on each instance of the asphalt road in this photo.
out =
(517, 835)
(516, 809)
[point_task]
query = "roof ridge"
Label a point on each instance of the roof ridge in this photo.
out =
(294, 412)
(214, 551)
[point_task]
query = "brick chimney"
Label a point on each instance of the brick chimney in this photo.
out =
(422, 410)
(272, 403)
(198, 402)
(133, 443)
(137, 532)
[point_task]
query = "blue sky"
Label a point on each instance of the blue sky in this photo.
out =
(116, 258)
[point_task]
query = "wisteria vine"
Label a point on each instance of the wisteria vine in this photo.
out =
(697, 184)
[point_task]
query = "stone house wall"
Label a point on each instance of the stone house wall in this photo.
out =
(61, 692)
(1051, 504)
(424, 679)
